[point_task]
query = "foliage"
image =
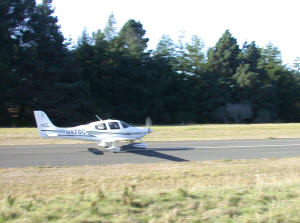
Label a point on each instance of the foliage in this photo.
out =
(256, 190)
(113, 74)
(244, 204)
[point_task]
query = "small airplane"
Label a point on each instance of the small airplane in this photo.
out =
(106, 132)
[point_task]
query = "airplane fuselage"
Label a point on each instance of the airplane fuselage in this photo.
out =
(105, 132)
(91, 131)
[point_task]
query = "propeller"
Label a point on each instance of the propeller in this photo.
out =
(149, 124)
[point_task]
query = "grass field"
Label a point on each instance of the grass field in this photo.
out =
(263, 190)
(30, 136)
(257, 190)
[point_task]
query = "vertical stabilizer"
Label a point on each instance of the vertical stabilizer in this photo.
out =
(43, 123)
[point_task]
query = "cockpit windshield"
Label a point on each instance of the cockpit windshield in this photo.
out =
(101, 126)
(125, 125)
(114, 125)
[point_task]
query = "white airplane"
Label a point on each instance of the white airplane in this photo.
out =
(106, 132)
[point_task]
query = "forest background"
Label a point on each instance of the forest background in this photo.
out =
(112, 73)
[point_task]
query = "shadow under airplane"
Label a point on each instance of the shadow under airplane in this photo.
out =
(95, 151)
(152, 152)
(149, 152)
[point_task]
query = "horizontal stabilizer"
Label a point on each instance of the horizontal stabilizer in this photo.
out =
(52, 134)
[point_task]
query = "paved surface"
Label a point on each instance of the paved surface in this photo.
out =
(90, 154)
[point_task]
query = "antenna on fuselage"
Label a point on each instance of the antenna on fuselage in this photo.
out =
(98, 117)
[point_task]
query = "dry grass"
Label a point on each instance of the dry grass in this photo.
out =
(30, 136)
(236, 205)
(147, 178)
(262, 190)
(224, 132)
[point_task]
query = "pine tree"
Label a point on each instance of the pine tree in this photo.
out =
(50, 78)
(296, 65)
(110, 28)
(223, 58)
(132, 38)
(284, 83)
(195, 58)
(14, 15)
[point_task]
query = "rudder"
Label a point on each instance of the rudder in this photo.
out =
(43, 123)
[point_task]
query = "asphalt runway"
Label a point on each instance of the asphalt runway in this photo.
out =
(91, 154)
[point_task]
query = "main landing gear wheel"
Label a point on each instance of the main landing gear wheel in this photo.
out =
(113, 149)
(140, 145)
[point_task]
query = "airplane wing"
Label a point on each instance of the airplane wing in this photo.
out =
(115, 139)
(52, 133)
(111, 137)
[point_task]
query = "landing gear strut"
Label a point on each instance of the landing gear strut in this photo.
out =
(112, 147)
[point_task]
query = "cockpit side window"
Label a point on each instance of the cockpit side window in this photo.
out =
(101, 126)
(125, 125)
(114, 125)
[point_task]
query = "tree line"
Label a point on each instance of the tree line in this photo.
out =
(113, 74)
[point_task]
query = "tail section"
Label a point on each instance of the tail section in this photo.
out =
(43, 123)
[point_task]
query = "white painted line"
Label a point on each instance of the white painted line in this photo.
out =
(250, 146)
